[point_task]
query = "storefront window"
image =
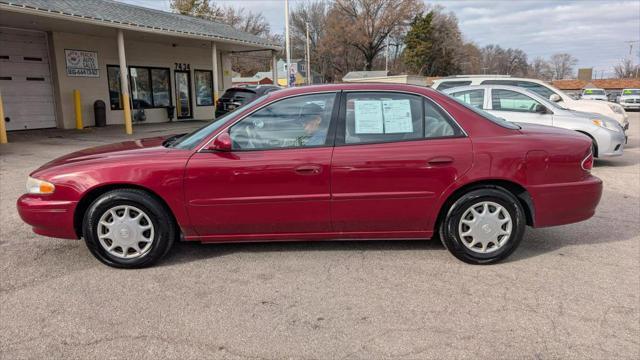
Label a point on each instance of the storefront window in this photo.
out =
(140, 88)
(113, 75)
(204, 88)
(150, 87)
(161, 87)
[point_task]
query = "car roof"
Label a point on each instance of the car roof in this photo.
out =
(372, 86)
(486, 77)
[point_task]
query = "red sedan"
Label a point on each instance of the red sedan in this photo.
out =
(348, 161)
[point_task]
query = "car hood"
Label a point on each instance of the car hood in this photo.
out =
(145, 147)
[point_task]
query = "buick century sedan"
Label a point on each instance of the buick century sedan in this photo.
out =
(346, 161)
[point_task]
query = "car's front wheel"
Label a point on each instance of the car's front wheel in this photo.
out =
(483, 226)
(128, 228)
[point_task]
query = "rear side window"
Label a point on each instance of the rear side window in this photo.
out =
(474, 98)
(451, 84)
(377, 117)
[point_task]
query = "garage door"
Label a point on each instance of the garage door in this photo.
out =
(25, 80)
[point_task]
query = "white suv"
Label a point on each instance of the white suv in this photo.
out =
(541, 88)
(630, 98)
(594, 94)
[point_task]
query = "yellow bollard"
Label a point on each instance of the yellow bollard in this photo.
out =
(78, 107)
(3, 128)
(127, 114)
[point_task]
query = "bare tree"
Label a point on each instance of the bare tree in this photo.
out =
(313, 13)
(367, 23)
(626, 69)
(562, 65)
(541, 69)
(496, 60)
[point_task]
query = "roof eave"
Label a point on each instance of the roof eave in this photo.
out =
(130, 26)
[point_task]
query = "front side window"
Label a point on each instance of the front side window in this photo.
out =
(474, 98)
(507, 100)
(204, 87)
(297, 122)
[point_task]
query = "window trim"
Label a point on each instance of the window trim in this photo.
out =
(329, 141)
(341, 123)
(149, 68)
(213, 100)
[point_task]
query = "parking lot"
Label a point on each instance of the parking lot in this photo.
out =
(568, 292)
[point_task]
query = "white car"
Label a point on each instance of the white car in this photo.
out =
(541, 88)
(594, 94)
(630, 99)
(520, 105)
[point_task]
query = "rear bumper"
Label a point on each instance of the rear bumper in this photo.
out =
(53, 218)
(559, 204)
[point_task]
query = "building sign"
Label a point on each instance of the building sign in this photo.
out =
(81, 63)
(182, 67)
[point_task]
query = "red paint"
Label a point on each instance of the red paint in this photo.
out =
(389, 190)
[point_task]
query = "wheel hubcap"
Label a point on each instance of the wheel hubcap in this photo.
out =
(126, 232)
(485, 227)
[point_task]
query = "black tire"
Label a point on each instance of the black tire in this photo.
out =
(163, 224)
(449, 234)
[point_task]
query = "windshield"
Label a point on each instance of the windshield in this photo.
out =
(189, 141)
(494, 119)
(593, 92)
(631, 92)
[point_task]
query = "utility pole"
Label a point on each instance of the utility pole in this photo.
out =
(286, 40)
(309, 75)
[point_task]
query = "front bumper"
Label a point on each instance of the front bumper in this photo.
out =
(565, 203)
(630, 105)
(53, 218)
(610, 143)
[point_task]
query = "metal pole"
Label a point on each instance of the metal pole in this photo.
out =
(286, 39)
(216, 85)
(124, 85)
(309, 74)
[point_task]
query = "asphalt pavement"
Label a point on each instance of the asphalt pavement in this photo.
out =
(568, 292)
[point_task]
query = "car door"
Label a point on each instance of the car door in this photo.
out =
(273, 182)
(517, 107)
(395, 154)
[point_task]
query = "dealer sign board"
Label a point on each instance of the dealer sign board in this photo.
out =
(81, 63)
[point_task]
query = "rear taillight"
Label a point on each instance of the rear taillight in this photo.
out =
(587, 163)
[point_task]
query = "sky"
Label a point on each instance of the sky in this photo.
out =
(596, 32)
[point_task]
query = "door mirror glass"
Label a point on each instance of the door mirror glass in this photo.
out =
(555, 98)
(222, 143)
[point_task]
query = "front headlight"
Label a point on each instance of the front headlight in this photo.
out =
(607, 124)
(616, 108)
(37, 186)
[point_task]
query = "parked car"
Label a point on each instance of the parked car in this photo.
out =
(235, 97)
(612, 110)
(594, 94)
(630, 99)
(524, 106)
(392, 162)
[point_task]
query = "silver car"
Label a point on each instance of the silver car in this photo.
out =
(517, 104)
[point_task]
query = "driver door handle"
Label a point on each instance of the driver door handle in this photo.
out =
(309, 169)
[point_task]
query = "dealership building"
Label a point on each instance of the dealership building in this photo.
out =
(57, 58)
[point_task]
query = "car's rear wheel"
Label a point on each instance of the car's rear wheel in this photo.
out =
(483, 226)
(128, 228)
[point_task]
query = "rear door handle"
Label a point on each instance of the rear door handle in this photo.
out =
(309, 169)
(440, 160)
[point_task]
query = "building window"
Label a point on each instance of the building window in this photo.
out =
(150, 87)
(204, 87)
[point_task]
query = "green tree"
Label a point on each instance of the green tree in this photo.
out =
(419, 43)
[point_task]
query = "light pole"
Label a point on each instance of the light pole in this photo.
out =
(309, 75)
(287, 42)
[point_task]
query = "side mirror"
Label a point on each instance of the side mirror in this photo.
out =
(541, 109)
(222, 142)
(555, 98)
